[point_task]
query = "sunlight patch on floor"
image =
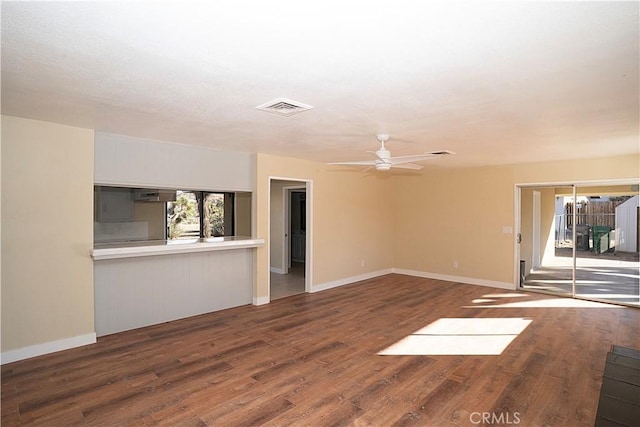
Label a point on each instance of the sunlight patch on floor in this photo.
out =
(460, 336)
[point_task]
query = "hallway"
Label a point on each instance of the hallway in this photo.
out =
(285, 285)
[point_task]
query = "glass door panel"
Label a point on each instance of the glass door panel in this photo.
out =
(548, 241)
(607, 266)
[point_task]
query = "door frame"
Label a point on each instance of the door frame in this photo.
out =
(307, 184)
(535, 253)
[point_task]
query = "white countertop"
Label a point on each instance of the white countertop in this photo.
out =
(117, 250)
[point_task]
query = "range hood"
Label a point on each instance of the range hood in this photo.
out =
(144, 195)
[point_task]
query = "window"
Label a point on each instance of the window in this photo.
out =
(200, 214)
(183, 218)
(123, 214)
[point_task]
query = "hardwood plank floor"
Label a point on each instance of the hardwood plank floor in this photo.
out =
(312, 360)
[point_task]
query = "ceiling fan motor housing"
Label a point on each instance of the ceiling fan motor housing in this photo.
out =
(383, 153)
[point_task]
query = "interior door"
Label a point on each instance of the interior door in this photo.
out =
(297, 226)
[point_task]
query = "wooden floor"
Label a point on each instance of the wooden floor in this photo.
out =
(311, 360)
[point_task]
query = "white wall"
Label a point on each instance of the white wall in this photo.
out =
(627, 225)
(135, 292)
(129, 161)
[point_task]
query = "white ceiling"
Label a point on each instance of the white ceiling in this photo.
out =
(501, 82)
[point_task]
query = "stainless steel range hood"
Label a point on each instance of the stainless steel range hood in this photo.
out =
(145, 195)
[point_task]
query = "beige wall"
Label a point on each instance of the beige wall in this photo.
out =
(583, 170)
(444, 216)
(47, 232)
(243, 214)
(352, 219)
(547, 222)
(451, 216)
(1, 237)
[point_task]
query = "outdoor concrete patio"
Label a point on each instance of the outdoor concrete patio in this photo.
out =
(610, 276)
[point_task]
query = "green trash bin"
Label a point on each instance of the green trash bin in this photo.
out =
(600, 235)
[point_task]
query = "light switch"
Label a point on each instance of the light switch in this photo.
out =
(507, 229)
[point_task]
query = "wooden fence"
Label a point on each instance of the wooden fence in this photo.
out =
(599, 213)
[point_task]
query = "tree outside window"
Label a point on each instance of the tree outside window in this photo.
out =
(214, 215)
(183, 215)
(183, 219)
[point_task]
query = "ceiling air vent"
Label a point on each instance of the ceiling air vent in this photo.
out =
(284, 107)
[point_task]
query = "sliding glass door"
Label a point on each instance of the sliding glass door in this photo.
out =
(581, 241)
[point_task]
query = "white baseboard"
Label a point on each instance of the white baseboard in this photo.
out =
(276, 270)
(261, 300)
(348, 280)
(46, 348)
(458, 279)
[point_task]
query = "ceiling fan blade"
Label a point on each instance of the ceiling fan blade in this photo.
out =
(410, 159)
(363, 162)
(407, 166)
(419, 157)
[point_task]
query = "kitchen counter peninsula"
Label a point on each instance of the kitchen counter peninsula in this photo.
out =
(143, 283)
(114, 250)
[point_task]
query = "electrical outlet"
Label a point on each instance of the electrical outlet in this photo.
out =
(455, 264)
(362, 263)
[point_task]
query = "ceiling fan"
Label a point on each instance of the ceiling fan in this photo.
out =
(384, 161)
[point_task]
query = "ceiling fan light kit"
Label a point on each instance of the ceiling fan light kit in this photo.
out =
(385, 162)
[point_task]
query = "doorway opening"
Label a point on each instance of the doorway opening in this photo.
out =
(289, 237)
(580, 240)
